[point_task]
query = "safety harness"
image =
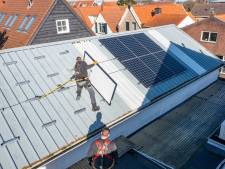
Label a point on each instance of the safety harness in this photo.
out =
(102, 149)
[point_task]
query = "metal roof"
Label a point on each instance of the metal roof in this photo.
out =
(32, 129)
(179, 137)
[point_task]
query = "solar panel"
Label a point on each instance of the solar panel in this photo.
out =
(134, 45)
(161, 70)
(145, 75)
(170, 62)
(143, 58)
(117, 49)
(147, 42)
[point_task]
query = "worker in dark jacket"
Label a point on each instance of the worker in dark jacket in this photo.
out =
(81, 76)
(103, 152)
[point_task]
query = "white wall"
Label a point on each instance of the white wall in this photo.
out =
(137, 120)
(100, 19)
(187, 21)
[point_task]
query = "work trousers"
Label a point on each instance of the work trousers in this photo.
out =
(87, 85)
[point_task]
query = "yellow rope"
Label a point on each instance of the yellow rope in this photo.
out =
(59, 86)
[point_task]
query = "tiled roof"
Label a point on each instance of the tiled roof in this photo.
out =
(144, 12)
(91, 3)
(165, 19)
(86, 12)
(221, 17)
(39, 9)
(111, 13)
(205, 9)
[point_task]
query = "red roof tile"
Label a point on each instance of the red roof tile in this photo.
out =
(39, 9)
(144, 12)
(111, 13)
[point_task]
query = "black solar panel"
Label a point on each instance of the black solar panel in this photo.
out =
(162, 71)
(145, 75)
(143, 58)
(170, 62)
(117, 49)
(147, 43)
(134, 45)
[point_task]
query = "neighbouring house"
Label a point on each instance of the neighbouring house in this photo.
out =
(203, 10)
(38, 21)
(158, 14)
(108, 19)
(210, 33)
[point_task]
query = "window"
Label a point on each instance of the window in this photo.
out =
(96, 27)
(13, 21)
(103, 28)
(2, 17)
(209, 36)
(29, 23)
(8, 21)
(157, 10)
(21, 27)
(62, 26)
(134, 25)
(29, 3)
(127, 26)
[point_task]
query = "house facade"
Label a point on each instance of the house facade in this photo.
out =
(32, 22)
(210, 33)
(109, 18)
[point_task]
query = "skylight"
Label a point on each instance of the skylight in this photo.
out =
(2, 17)
(8, 20)
(30, 23)
(21, 27)
(13, 21)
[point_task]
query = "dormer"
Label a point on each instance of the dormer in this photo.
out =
(30, 3)
(156, 11)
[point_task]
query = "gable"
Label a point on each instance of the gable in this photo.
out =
(48, 31)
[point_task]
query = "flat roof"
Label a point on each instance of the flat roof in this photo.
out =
(129, 158)
(181, 134)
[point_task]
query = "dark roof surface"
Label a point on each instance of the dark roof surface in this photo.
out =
(205, 9)
(129, 158)
(176, 137)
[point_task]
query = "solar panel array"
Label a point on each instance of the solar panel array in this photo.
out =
(143, 58)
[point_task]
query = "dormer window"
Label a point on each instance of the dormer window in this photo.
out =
(30, 2)
(157, 10)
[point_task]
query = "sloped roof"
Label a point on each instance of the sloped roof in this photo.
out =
(82, 3)
(111, 13)
(144, 12)
(86, 12)
(221, 17)
(205, 9)
(39, 9)
(36, 130)
(165, 19)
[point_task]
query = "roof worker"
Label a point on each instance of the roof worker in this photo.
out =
(102, 153)
(82, 80)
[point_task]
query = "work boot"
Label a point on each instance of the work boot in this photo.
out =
(95, 107)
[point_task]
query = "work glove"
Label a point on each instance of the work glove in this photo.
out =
(95, 62)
